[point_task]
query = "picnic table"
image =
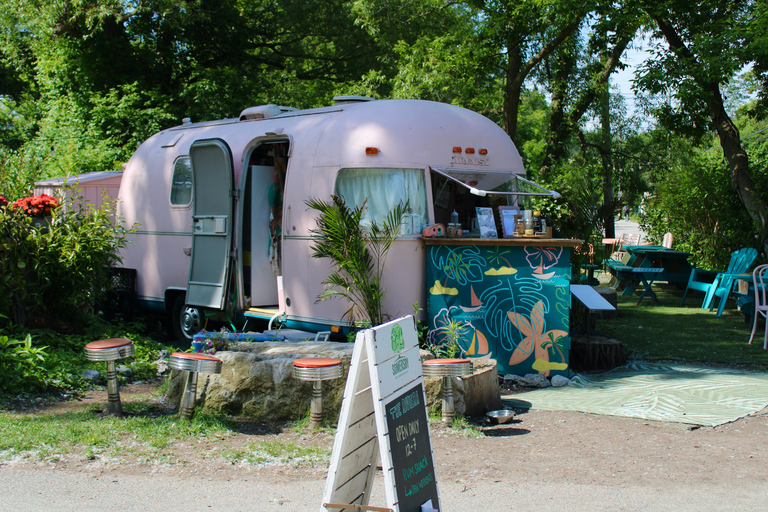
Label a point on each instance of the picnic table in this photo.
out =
(676, 269)
(629, 278)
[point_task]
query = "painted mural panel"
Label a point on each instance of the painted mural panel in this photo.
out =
(510, 303)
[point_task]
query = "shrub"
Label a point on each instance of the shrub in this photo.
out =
(53, 271)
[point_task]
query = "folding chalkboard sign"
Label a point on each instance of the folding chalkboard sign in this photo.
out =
(383, 415)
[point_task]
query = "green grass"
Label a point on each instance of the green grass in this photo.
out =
(144, 432)
(461, 425)
(668, 332)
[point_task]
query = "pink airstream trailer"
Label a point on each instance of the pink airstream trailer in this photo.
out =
(223, 225)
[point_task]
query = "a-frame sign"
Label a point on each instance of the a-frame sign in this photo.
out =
(383, 415)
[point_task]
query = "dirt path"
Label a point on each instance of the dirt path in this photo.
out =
(538, 450)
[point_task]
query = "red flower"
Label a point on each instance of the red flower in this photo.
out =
(36, 206)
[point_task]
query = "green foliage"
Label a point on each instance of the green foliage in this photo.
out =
(147, 428)
(54, 269)
(269, 452)
(445, 342)
(357, 254)
(44, 361)
(21, 367)
(668, 332)
(693, 199)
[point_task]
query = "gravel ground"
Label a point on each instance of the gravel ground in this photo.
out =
(565, 460)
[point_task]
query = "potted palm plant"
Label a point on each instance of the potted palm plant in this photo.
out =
(357, 254)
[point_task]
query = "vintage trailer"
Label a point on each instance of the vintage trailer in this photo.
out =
(223, 224)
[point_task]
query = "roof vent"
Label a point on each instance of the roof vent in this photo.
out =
(260, 112)
(345, 100)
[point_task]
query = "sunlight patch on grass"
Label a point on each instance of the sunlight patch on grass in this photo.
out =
(275, 452)
(668, 332)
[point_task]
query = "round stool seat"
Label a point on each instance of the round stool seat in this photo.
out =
(195, 362)
(109, 350)
(446, 367)
(317, 368)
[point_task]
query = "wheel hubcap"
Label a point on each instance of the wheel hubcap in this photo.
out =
(191, 321)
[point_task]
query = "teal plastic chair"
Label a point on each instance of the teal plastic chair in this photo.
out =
(719, 284)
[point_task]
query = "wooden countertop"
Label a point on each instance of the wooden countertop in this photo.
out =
(507, 242)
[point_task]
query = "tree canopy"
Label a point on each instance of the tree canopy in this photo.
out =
(83, 82)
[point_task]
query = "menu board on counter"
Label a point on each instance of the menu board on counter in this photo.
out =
(384, 416)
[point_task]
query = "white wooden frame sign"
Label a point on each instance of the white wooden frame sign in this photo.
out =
(383, 414)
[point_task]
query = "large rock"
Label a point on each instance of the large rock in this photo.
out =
(256, 381)
(473, 395)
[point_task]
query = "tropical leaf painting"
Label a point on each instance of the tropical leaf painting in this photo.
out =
(536, 341)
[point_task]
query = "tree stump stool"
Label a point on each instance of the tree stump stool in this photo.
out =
(316, 370)
(447, 369)
(110, 350)
(192, 364)
(597, 354)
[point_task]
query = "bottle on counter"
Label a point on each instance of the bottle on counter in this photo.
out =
(536, 221)
(454, 217)
(528, 219)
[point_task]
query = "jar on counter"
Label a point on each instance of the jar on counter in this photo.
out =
(520, 227)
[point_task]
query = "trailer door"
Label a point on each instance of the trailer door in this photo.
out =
(212, 178)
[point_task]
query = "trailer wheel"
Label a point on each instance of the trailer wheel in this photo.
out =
(187, 320)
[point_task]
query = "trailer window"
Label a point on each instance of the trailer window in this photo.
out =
(383, 189)
(181, 183)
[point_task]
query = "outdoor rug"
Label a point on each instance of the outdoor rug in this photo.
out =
(679, 393)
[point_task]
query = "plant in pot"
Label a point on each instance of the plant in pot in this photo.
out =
(357, 254)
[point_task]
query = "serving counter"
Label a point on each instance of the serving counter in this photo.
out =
(507, 298)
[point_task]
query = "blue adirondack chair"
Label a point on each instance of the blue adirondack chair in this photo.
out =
(720, 284)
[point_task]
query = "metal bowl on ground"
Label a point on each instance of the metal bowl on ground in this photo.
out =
(500, 416)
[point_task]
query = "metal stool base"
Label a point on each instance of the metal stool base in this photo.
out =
(316, 370)
(111, 350)
(192, 364)
(447, 369)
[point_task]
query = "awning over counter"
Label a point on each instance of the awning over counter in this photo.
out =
(481, 183)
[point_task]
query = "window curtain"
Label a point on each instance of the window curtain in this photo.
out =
(383, 189)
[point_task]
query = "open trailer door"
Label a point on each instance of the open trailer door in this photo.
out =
(212, 207)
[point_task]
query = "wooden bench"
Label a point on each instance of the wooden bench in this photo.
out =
(616, 266)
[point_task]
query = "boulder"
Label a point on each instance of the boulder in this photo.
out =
(256, 381)
(125, 371)
(559, 381)
(532, 380)
(92, 375)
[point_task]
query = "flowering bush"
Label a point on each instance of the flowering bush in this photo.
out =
(36, 206)
(53, 275)
(3, 202)
(214, 341)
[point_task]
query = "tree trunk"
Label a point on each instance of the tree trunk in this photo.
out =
(518, 70)
(606, 154)
(738, 161)
(559, 129)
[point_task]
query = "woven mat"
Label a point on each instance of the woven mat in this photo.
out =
(679, 393)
